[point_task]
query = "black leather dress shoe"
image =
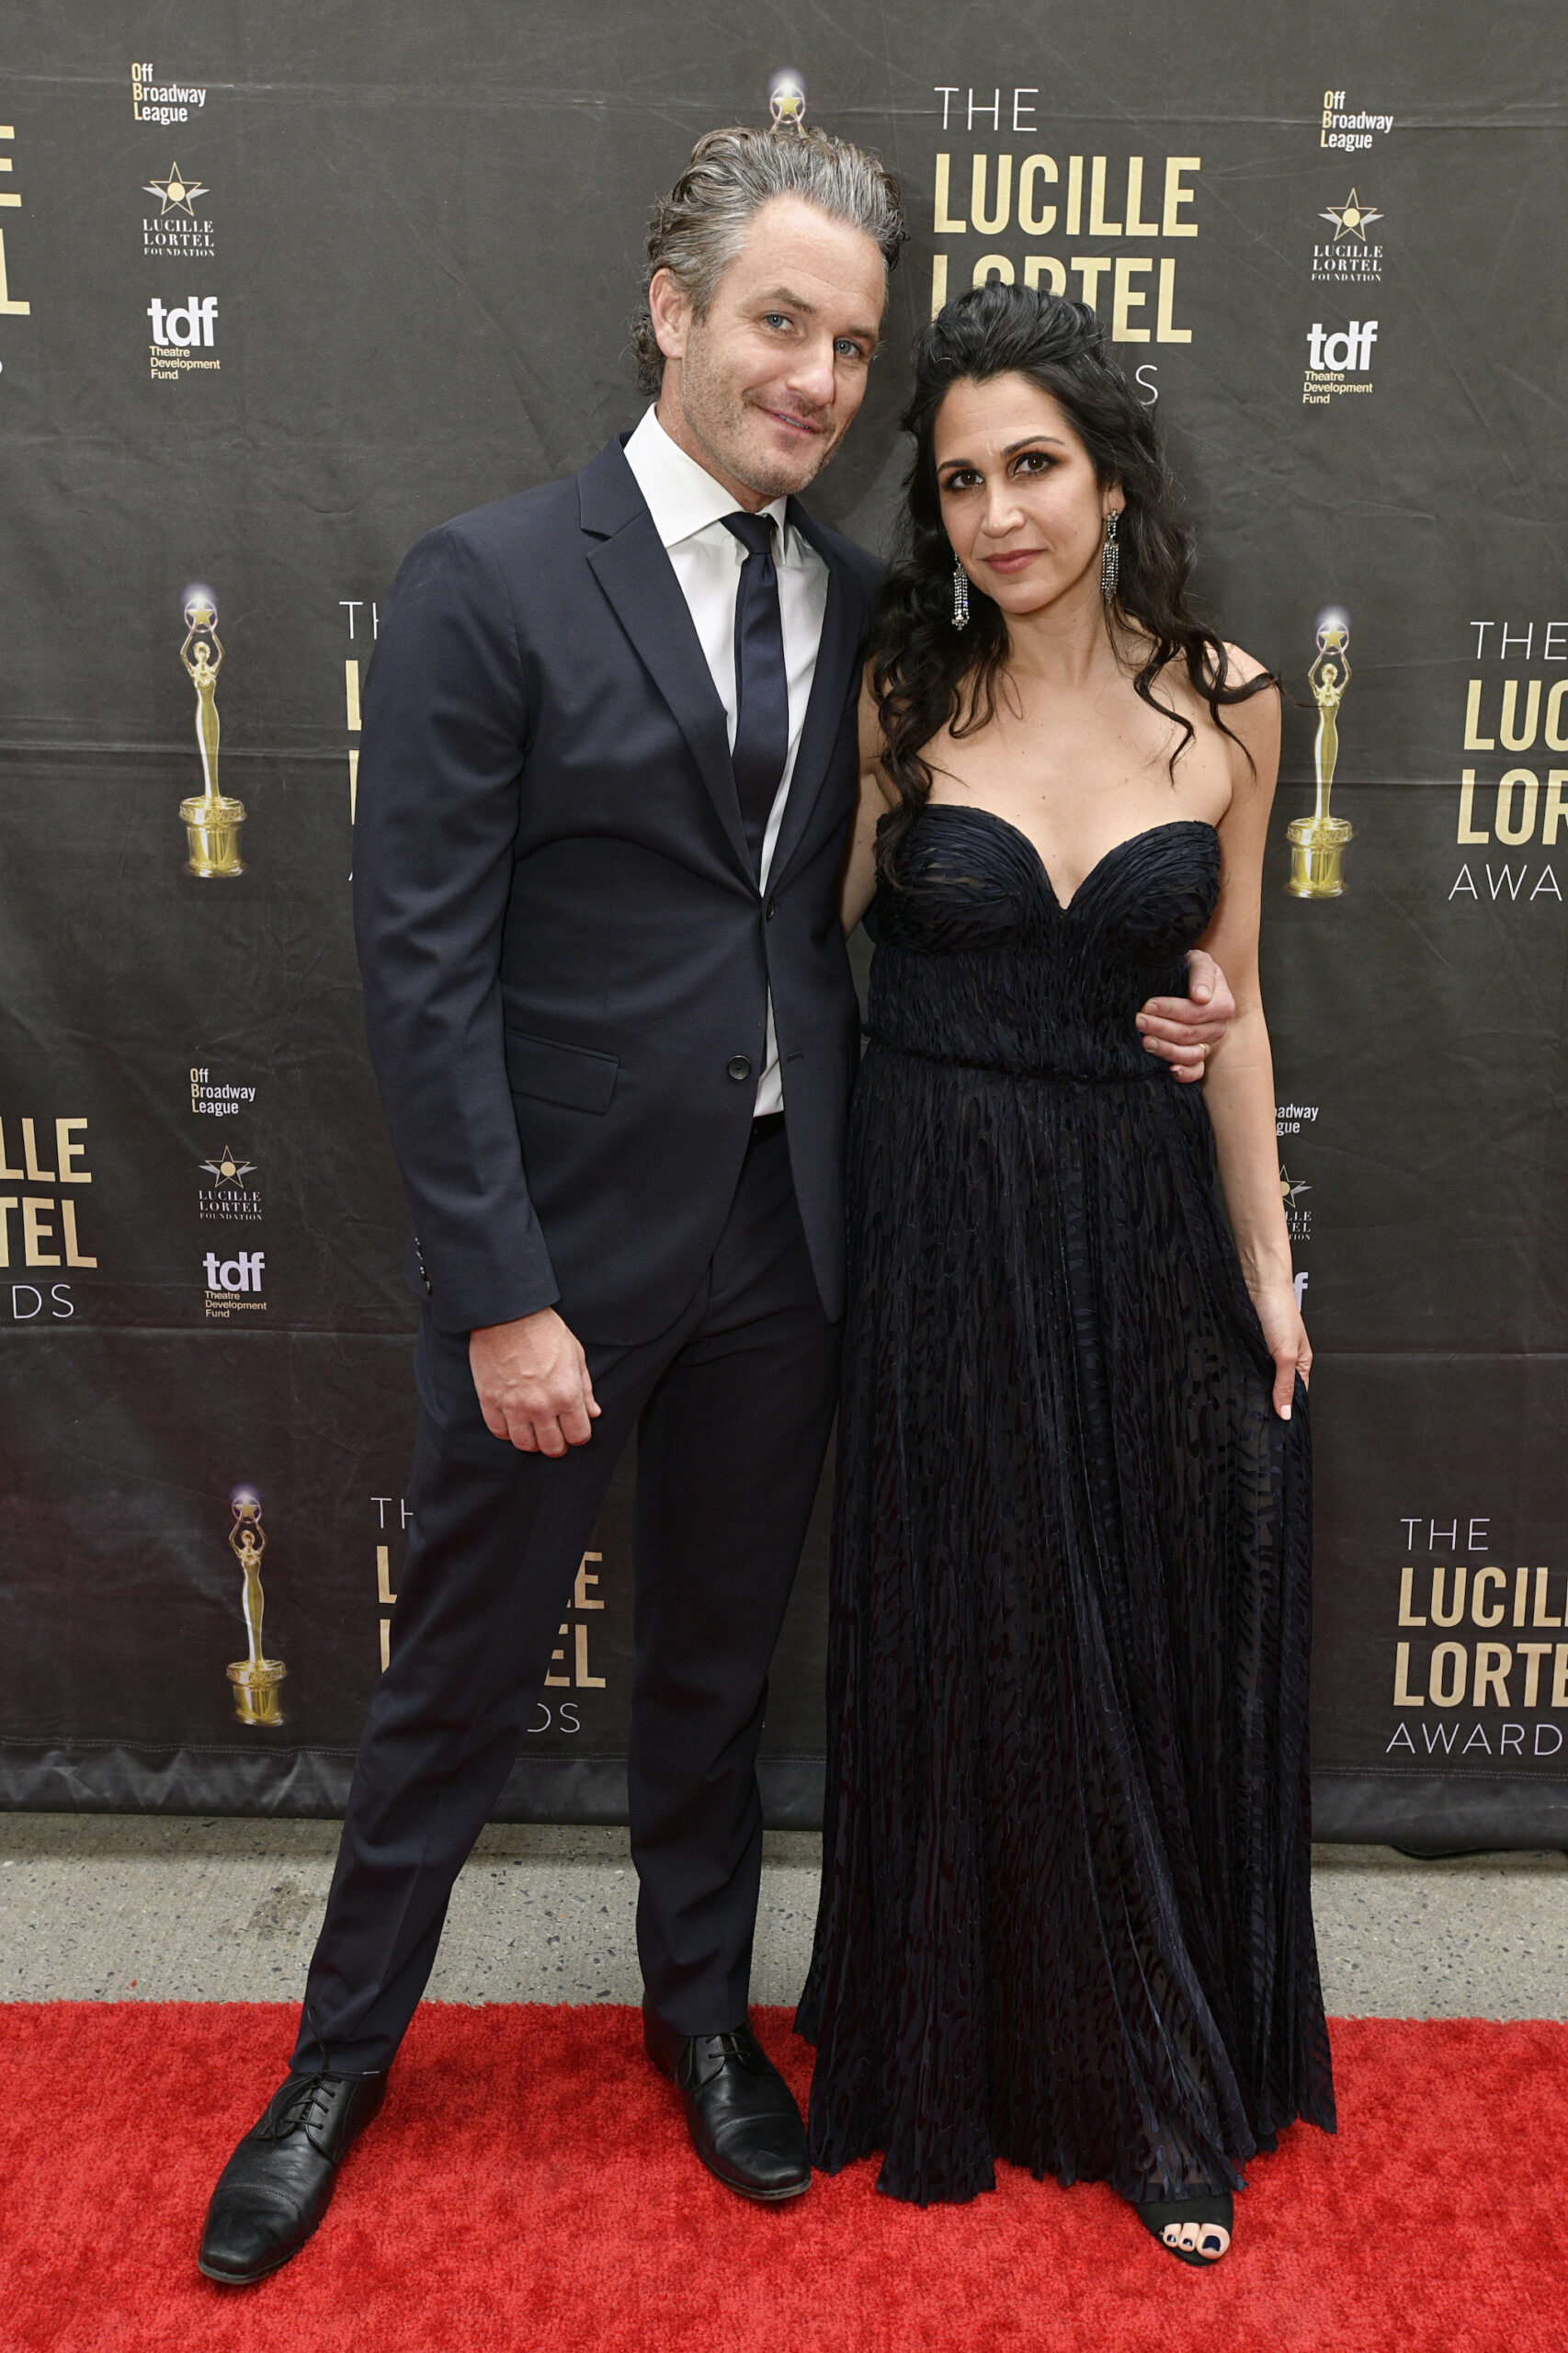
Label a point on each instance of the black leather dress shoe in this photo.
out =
(742, 2117)
(278, 2183)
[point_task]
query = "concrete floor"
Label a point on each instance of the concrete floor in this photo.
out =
(112, 1907)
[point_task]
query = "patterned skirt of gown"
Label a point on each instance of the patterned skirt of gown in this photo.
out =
(1065, 1916)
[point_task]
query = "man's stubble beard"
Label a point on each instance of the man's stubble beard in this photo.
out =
(716, 415)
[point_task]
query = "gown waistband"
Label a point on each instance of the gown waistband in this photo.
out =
(1056, 1073)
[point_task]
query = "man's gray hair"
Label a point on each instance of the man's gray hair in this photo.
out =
(697, 230)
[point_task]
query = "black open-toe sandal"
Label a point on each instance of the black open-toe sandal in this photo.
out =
(1218, 2206)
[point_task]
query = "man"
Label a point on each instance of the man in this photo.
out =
(607, 776)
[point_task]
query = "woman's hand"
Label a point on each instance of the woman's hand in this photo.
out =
(1286, 1336)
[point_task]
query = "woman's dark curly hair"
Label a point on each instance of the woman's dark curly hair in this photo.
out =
(926, 674)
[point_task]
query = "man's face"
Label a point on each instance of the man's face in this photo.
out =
(762, 390)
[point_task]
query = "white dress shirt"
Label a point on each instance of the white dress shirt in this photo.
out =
(687, 505)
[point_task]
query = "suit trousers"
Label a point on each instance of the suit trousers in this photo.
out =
(732, 1408)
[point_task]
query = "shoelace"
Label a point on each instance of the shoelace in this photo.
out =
(308, 2103)
(736, 2044)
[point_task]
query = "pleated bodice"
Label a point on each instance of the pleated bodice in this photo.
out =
(979, 964)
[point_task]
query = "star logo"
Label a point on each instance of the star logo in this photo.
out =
(1287, 1191)
(227, 1170)
(175, 192)
(1350, 219)
(787, 101)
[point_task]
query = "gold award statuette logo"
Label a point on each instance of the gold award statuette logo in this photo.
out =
(256, 1679)
(1317, 843)
(212, 819)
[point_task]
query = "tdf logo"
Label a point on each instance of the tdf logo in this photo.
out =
(183, 324)
(241, 1273)
(1350, 354)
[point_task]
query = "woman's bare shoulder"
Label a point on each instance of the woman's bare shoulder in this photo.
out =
(1253, 724)
(1241, 667)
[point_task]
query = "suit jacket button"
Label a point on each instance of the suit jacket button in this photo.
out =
(738, 1066)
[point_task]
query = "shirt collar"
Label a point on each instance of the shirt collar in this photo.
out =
(683, 497)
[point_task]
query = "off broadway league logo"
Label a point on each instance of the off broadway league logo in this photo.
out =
(1349, 258)
(1348, 131)
(212, 1098)
(177, 231)
(164, 102)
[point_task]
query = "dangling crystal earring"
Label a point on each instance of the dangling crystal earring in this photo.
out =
(1110, 561)
(961, 597)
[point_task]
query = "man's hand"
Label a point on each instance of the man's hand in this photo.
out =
(533, 1384)
(1182, 1029)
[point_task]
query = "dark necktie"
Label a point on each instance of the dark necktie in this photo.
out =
(762, 686)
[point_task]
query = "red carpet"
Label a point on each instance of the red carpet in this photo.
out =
(528, 2184)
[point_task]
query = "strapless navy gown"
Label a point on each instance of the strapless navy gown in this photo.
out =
(1066, 1914)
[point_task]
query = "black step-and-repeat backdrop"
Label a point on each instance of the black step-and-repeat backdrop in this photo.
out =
(281, 288)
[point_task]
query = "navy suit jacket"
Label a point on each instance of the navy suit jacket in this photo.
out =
(566, 957)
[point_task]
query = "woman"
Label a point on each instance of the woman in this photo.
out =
(1066, 1913)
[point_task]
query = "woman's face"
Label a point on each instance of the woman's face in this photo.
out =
(1020, 503)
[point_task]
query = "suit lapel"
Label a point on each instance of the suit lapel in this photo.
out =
(636, 575)
(842, 628)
